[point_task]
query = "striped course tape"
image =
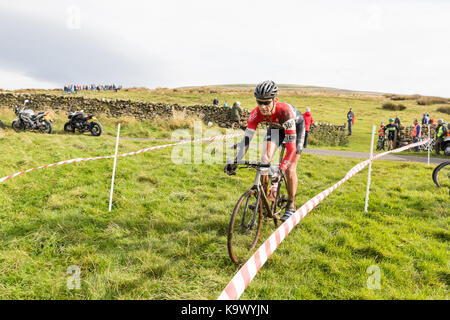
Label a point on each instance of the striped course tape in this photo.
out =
(121, 155)
(245, 275)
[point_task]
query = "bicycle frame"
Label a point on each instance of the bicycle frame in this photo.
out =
(261, 192)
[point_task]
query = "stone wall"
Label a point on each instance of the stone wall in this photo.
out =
(405, 137)
(141, 110)
(114, 108)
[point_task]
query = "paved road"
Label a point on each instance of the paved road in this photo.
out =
(363, 155)
(335, 153)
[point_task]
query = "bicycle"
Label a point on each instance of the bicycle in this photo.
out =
(442, 180)
(252, 206)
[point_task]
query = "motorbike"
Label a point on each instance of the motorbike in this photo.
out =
(28, 120)
(445, 146)
(79, 121)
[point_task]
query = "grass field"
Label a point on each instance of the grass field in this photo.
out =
(166, 235)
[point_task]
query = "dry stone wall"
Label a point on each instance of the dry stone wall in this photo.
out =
(141, 110)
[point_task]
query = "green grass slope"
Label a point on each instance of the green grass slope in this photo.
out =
(166, 235)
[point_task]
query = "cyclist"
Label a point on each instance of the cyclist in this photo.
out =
(391, 130)
(285, 123)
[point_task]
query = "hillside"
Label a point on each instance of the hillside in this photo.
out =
(166, 235)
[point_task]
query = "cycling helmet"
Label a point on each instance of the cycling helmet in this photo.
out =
(266, 90)
(391, 119)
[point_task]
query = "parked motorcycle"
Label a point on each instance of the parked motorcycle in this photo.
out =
(28, 120)
(445, 146)
(79, 121)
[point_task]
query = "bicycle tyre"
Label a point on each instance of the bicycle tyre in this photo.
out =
(436, 172)
(241, 240)
(280, 202)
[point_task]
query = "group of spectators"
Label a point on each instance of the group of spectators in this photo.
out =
(392, 131)
(74, 88)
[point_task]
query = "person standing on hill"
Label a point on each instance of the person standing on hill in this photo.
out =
(391, 130)
(350, 121)
(236, 114)
(441, 133)
(215, 102)
(381, 136)
(416, 133)
(308, 122)
(425, 119)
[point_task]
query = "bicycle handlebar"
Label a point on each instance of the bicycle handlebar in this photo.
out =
(253, 164)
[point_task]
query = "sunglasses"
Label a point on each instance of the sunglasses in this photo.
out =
(263, 103)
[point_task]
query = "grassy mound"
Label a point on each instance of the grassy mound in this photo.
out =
(393, 107)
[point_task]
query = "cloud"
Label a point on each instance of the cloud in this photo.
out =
(51, 52)
(387, 46)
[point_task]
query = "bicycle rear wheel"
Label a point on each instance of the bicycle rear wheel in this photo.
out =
(245, 226)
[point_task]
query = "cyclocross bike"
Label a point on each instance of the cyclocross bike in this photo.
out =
(251, 209)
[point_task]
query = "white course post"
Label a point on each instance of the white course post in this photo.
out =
(370, 169)
(429, 144)
(114, 168)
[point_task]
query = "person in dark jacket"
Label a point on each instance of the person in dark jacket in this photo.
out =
(391, 132)
(216, 102)
(308, 122)
(350, 121)
(441, 133)
(236, 114)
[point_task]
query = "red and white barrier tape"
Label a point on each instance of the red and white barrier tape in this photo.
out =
(245, 275)
(120, 155)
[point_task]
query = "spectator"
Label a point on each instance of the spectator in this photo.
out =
(397, 121)
(391, 130)
(236, 114)
(441, 133)
(350, 121)
(382, 135)
(416, 133)
(216, 102)
(225, 104)
(425, 119)
(308, 121)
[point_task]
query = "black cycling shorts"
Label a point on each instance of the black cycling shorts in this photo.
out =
(277, 136)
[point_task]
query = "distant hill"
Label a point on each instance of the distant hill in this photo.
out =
(286, 87)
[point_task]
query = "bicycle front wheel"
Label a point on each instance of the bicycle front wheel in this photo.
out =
(441, 175)
(245, 226)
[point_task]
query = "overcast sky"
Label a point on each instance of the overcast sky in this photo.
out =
(397, 46)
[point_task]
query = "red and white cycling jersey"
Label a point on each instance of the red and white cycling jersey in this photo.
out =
(285, 117)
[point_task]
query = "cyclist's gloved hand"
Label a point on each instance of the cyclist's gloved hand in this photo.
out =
(230, 169)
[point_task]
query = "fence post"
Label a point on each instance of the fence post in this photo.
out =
(370, 170)
(114, 168)
(429, 144)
